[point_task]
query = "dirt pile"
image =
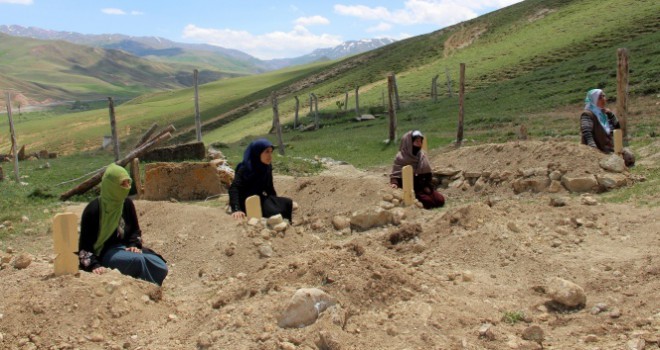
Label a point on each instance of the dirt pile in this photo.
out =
(473, 275)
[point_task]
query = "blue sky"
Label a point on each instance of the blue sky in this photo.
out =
(264, 29)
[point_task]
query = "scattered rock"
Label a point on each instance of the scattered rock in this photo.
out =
(513, 227)
(636, 344)
(265, 251)
(305, 307)
(340, 222)
(566, 293)
(253, 222)
(370, 218)
(274, 220)
(23, 261)
(614, 163)
(598, 308)
(486, 331)
(327, 341)
(533, 333)
(590, 338)
(588, 200)
(558, 201)
(583, 183)
(615, 313)
(280, 227)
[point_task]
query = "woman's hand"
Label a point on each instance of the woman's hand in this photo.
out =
(394, 186)
(134, 250)
(99, 270)
(238, 215)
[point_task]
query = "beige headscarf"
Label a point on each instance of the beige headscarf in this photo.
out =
(420, 163)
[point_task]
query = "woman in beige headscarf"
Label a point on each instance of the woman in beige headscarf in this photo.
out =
(411, 153)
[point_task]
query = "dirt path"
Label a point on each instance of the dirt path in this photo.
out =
(448, 284)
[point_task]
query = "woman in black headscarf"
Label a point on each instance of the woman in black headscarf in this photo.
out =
(254, 175)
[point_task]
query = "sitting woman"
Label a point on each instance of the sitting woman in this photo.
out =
(597, 124)
(411, 153)
(254, 176)
(110, 236)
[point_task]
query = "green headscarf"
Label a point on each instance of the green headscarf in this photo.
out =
(112, 203)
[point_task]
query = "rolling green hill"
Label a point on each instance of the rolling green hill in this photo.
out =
(523, 62)
(60, 70)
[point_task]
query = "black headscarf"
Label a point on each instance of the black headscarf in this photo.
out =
(253, 168)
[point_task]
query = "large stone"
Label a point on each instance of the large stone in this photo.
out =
(533, 184)
(275, 220)
(369, 218)
(580, 183)
(305, 307)
(181, 181)
(340, 222)
(446, 171)
(611, 181)
(555, 187)
(613, 163)
(187, 151)
(566, 293)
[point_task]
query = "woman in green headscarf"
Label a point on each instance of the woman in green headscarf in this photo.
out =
(110, 235)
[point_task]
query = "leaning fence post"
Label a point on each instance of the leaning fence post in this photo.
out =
(448, 81)
(357, 101)
(396, 93)
(391, 109)
(461, 111)
(276, 123)
(13, 138)
(295, 118)
(113, 126)
(198, 119)
(622, 91)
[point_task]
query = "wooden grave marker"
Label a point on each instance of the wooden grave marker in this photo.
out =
(408, 190)
(425, 145)
(253, 207)
(65, 239)
(618, 141)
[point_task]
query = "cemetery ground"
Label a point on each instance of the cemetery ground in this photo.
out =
(501, 266)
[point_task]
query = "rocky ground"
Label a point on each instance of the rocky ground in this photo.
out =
(514, 261)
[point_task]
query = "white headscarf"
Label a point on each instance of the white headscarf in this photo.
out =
(591, 104)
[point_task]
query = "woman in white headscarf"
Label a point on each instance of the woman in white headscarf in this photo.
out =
(597, 123)
(411, 153)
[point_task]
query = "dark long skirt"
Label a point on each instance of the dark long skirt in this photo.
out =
(146, 265)
(273, 205)
(431, 200)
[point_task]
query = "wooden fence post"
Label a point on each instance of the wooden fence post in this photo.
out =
(311, 104)
(137, 177)
(434, 88)
(276, 122)
(113, 126)
(396, 93)
(448, 81)
(346, 101)
(295, 118)
(315, 100)
(622, 92)
(461, 111)
(198, 120)
(391, 109)
(13, 138)
(357, 101)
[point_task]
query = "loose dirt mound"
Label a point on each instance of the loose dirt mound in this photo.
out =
(473, 275)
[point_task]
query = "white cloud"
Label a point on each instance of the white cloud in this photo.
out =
(17, 2)
(296, 42)
(381, 27)
(313, 20)
(437, 12)
(113, 11)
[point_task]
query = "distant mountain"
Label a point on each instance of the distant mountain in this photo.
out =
(201, 55)
(348, 48)
(210, 56)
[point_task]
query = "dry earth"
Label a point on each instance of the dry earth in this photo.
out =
(473, 275)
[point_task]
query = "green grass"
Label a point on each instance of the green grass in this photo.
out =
(513, 317)
(644, 193)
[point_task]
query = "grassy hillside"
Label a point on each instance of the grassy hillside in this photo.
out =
(524, 63)
(64, 71)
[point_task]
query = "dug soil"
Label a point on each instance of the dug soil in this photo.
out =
(472, 275)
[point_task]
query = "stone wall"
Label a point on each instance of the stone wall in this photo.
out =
(182, 181)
